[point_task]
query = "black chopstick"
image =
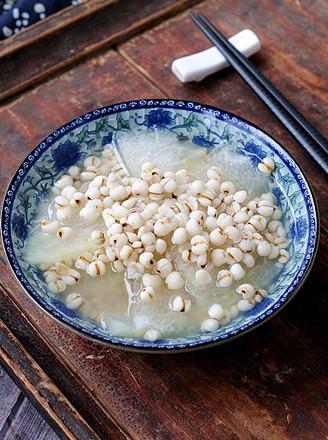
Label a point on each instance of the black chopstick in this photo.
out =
(301, 129)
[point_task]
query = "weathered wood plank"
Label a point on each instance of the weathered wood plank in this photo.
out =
(75, 32)
(27, 423)
(18, 417)
(292, 57)
(53, 406)
(9, 394)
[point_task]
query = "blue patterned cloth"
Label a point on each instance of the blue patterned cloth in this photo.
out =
(16, 15)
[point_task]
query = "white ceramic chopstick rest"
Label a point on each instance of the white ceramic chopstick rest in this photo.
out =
(197, 66)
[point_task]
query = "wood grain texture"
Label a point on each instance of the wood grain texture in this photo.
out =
(18, 418)
(9, 394)
(29, 424)
(75, 32)
(41, 390)
(270, 384)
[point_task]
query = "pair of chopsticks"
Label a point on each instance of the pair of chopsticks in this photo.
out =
(313, 141)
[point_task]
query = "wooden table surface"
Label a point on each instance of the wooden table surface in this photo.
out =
(269, 384)
(19, 420)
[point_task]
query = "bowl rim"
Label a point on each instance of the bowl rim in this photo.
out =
(140, 345)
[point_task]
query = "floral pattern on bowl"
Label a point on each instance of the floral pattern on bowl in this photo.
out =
(204, 126)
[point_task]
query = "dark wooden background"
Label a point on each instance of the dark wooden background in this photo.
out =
(269, 384)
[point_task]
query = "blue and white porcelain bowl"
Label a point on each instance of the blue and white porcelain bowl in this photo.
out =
(201, 125)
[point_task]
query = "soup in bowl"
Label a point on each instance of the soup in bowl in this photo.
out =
(159, 225)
